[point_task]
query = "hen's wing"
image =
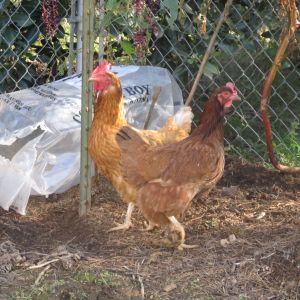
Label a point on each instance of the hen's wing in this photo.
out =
(187, 161)
(138, 157)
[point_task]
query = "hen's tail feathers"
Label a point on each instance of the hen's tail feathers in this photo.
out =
(184, 117)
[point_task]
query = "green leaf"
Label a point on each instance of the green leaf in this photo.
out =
(127, 47)
(106, 20)
(210, 70)
(30, 6)
(44, 58)
(285, 65)
(9, 35)
(32, 34)
(22, 84)
(4, 20)
(22, 20)
(226, 47)
(3, 73)
(20, 46)
(188, 9)
(173, 7)
(180, 70)
(28, 77)
(112, 5)
(3, 5)
(249, 45)
(8, 53)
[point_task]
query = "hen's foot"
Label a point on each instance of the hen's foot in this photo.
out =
(127, 224)
(124, 226)
(149, 226)
(181, 247)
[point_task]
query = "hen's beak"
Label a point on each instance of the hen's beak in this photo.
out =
(229, 108)
(94, 78)
(236, 98)
(98, 77)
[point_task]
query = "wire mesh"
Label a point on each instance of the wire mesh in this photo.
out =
(37, 40)
(174, 35)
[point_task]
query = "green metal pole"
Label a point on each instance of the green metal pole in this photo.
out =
(86, 104)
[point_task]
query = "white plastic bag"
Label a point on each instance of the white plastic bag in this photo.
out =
(40, 130)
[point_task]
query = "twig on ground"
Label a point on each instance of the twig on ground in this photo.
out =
(194, 219)
(140, 279)
(43, 264)
(41, 274)
(33, 252)
(49, 262)
(267, 256)
(142, 286)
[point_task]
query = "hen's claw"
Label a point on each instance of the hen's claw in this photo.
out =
(124, 226)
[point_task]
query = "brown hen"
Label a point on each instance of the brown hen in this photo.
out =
(108, 119)
(169, 176)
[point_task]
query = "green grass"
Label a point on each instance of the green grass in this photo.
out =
(104, 278)
(39, 293)
(288, 151)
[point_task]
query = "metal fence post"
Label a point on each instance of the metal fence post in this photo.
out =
(79, 48)
(86, 105)
(73, 21)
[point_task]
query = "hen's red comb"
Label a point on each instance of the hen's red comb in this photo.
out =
(102, 68)
(231, 86)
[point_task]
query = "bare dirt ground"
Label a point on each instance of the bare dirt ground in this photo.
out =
(248, 232)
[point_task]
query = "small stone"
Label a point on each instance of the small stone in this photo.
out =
(224, 242)
(231, 191)
(232, 238)
(261, 215)
(170, 287)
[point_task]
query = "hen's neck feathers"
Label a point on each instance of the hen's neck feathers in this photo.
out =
(110, 104)
(211, 124)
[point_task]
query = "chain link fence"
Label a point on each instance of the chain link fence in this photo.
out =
(37, 42)
(165, 35)
(174, 35)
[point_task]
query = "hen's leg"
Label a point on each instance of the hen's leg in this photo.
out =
(127, 224)
(179, 228)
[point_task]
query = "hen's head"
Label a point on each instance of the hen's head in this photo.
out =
(101, 76)
(227, 94)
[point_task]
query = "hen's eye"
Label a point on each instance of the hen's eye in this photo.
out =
(226, 94)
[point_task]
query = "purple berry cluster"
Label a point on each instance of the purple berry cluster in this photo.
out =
(50, 16)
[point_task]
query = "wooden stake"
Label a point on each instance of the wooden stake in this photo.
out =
(86, 106)
(209, 49)
(154, 100)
